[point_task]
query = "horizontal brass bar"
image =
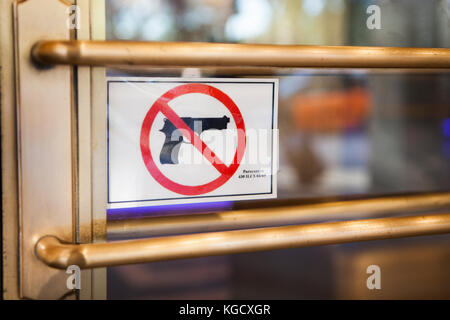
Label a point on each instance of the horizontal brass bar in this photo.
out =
(77, 52)
(276, 216)
(207, 71)
(60, 255)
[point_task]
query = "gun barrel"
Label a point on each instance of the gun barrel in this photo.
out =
(219, 123)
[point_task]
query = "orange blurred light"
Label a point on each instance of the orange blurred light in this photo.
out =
(331, 111)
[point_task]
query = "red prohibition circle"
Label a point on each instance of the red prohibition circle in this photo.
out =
(161, 105)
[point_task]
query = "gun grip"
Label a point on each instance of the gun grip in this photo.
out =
(169, 152)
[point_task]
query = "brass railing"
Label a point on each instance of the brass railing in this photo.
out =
(233, 55)
(103, 53)
(60, 255)
(278, 216)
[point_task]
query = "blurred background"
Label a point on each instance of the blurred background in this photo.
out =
(343, 133)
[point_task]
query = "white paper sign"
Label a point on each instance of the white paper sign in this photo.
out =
(178, 140)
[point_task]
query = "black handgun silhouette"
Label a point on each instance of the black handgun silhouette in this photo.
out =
(174, 138)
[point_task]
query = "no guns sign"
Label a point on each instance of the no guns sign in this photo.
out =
(178, 140)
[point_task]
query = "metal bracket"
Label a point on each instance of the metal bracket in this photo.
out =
(56, 175)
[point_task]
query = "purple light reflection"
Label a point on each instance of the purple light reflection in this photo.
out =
(165, 210)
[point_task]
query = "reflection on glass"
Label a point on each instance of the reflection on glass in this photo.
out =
(341, 132)
(414, 23)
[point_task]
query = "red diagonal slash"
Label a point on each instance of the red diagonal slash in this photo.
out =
(194, 139)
